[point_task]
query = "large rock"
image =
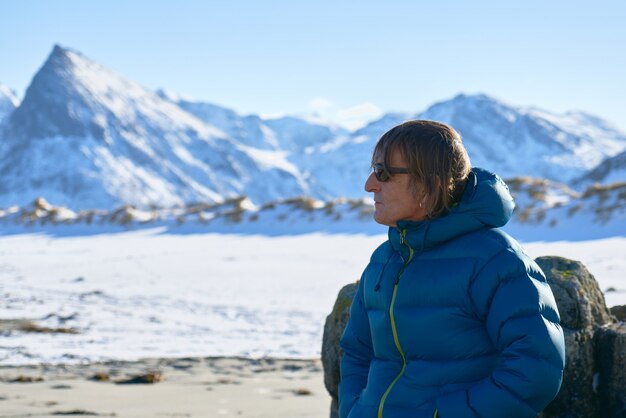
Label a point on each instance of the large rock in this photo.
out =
(594, 379)
(578, 296)
(611, 365)
(582, 309)
(577, 398)
(331, 352)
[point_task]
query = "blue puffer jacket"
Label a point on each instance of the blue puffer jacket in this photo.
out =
(452, 319)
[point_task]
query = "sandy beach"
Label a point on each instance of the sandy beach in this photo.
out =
(185, 387)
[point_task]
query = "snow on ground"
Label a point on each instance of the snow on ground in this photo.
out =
(147, 293)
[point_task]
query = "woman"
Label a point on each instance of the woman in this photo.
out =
(451, 318)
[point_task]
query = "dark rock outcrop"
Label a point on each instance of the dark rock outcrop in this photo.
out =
(578, 296)
(610, 343)
(582, 308)
(331, 352)
(594, 379)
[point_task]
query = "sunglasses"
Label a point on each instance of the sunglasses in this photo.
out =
(383, 174)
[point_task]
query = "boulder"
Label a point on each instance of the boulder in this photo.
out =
(577, 293)
(582, 309)
(611, 365)
(577, 398)
(594, 379)
(331, 352)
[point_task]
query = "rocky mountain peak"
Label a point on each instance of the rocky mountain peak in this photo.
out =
(52, 105)
(86, 135)
(60, 58)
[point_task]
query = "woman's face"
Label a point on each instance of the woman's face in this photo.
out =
(394, 199)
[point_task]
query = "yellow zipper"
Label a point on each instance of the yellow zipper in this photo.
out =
(394, 331)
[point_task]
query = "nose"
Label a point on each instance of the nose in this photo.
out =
(372, 184)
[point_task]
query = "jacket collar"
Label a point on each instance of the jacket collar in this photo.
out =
(485, 203)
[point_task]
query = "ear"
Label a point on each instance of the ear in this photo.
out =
(422, 202)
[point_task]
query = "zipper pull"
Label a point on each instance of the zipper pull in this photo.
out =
(403, 243)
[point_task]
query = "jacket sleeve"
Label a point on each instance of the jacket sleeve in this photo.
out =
(356, 344)
(511, 295)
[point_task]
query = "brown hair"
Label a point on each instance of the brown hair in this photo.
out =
(436, 159)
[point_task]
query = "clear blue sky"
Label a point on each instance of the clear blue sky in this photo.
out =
(278, 56)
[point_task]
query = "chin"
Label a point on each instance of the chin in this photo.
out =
(383, 221)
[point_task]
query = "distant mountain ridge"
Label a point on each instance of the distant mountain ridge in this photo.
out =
(517, 141)
(86, 137)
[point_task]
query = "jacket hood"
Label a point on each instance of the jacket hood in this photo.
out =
(486, 202)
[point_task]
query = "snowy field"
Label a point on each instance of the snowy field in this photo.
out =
(146, 293)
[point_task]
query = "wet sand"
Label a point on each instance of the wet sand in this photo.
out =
(187, 387)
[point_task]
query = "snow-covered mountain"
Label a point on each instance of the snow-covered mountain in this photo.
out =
(8, 102)
(517, 141)
(246, 130)
(291, 134)
(512, 141)
(86, 137)
(300, 141)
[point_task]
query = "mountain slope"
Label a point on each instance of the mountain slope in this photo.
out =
(246, 130)
(297, 142)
